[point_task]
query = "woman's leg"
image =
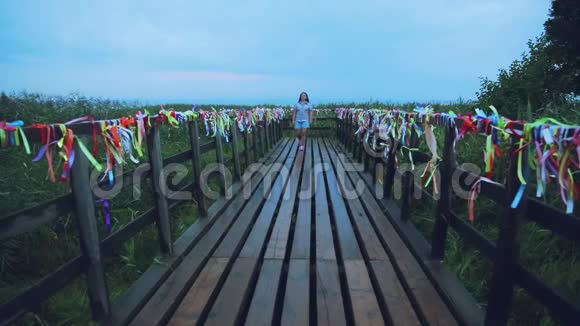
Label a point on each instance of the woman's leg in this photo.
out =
(304, 136)
(301, 141)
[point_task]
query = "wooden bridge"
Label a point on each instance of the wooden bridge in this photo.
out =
(306, 240)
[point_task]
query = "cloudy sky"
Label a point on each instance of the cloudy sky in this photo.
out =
(258, 51)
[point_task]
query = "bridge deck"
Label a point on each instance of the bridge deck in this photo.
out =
(297, 259)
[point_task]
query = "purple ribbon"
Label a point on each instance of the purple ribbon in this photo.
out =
(107, 209)
(42, 151)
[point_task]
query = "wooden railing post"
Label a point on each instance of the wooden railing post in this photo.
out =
(348, 144)
(344, 132)
(196, 162)
(342, 124)
(246, 149)
(89, 236)
(353, 137)
(236, 152)
(158, 179)
(262, 135)
(280, 130)
(255, 139)
(407, 195)
(364, 155)
(347, 134)
(267, 134)
(390, 168)
(408, 182)
(354, 148)
(219, 152)
(506, 259)
(373, 159)
(358, 154)
(447, 167)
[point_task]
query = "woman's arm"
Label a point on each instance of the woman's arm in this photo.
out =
(293, 115)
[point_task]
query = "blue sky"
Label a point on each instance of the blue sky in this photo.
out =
(257, 51)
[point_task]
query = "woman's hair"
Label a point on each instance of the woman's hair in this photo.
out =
(300, 97)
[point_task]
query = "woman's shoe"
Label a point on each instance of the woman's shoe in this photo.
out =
(301, 147)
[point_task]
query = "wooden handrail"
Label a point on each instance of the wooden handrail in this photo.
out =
(508, 271)
(94, 250)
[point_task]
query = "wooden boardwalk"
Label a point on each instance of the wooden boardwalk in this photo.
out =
(301, 255)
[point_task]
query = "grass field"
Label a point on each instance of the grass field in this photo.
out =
(27, 258)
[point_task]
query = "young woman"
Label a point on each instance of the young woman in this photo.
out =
(302, 118)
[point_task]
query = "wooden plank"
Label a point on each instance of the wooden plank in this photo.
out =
(390, 290)
(207, 147)
(242, 270)
(349, 247)
(98, 291)
(128, 304)
(233, 296)
(330, 306)
(232, 242)
(158, 179)
(400, 310)
(324, 242)
(169, 294)
(226, 310)
(198, 295)
(365, 306)
(281, 189)
(116, 239)
(371, 244)
(261, 311)
(262, 306)
(33, 297)
(432, 307)
(29, 219)
(296, 308)
(302, 229)
(560, 307)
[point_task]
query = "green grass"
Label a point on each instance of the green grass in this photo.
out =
(27, 258)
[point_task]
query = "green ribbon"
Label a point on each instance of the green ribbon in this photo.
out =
(89, 156)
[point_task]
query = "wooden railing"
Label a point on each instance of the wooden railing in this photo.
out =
(507, 270)
(81, 202)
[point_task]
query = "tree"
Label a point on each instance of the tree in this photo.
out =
(563, 34)
(528, 82)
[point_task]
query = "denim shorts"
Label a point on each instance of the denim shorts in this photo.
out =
(302, 124)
